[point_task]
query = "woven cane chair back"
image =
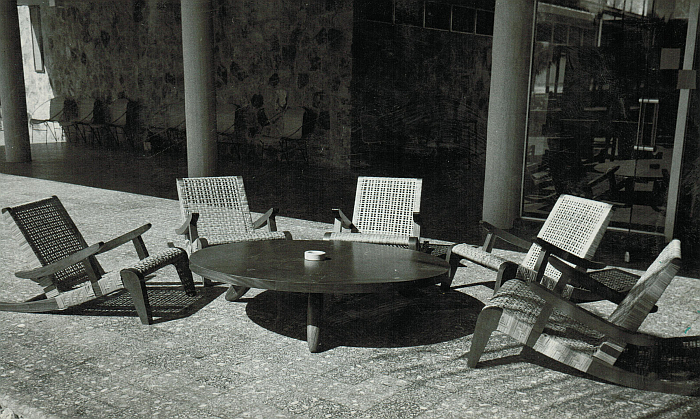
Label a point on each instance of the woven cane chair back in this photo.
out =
(221, 203)
(576, 225)
(44, 230)
(385, 205)
(638, 303)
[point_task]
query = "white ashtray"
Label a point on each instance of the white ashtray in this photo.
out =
(314, 255)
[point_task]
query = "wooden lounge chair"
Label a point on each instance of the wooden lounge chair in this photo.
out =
(70, 273)
(609, 348)
(387, 211)
(576, 225)
(215, 211)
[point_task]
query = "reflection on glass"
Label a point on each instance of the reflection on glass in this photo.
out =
(603, 108)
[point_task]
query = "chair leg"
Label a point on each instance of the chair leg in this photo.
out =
(182, 265)
(485, 325)
(136, 285)
(453, 260)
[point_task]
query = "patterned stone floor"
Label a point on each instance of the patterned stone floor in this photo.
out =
(383, 356)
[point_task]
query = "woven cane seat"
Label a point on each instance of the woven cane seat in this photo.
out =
(478, 255)
(156, 261)
(388, 239)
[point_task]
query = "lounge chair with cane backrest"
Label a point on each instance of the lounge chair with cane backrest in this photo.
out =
(387, 211)
(70, 273)
(576, 225)
(609, 348)
(215, 211)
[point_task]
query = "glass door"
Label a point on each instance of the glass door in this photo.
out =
(603, 108)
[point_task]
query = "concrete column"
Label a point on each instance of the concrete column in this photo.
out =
(12, 93)
(200, 94)
(507, 117)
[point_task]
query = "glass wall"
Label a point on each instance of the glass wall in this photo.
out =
(603, 106)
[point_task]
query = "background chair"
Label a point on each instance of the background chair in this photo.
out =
(611, 349)
(570, 176)
(56, 116)
(118, 113)
(70, 273)
(89, 113)
(215, 210)
(387, 211)
(575, 225)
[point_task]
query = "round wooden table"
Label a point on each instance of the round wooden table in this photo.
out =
(350, 267)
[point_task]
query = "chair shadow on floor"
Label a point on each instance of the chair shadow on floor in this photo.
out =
(168, 302)
(422, 317)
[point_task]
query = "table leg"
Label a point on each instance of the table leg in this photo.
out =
(313, 321)
(235, 292)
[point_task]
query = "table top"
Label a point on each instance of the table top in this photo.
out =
(641, 168)
(350, 267)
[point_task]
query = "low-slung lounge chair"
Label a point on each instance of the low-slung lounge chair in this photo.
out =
(609, 348)
(215, 211)
(387, 211)
(70, 273)
(576, 225)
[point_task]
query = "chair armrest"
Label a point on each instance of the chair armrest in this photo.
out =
(494, 232)
(564, 255)
(507, 270)
(124, 238)
(191, 220)
(342, 221)
(60, 264)
(577, 313)
(582, 279)
(267, 218)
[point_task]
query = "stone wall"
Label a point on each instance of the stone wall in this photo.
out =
(270, 55)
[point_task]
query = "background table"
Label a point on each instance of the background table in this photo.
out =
(349, 268)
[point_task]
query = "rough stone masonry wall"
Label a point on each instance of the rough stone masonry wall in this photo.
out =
(268, 55)
(91, 51)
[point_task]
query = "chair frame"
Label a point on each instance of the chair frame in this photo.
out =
(509, 269)
(96, 284)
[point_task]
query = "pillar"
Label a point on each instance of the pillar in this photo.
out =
(12, 93)
(507, 117)
(200, 94)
